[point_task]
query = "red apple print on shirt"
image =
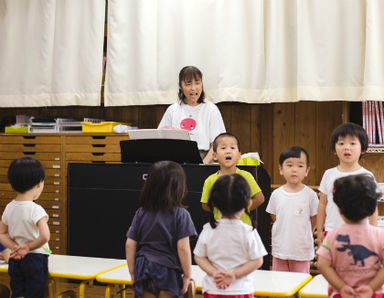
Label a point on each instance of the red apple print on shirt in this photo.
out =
(188, 124)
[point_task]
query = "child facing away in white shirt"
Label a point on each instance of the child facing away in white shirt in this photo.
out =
(349, 141)
(293, 208)
(229, 250)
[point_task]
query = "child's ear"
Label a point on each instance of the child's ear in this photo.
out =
(280, 170)
(214, 156)
(249, 203)
(239, 156)
(307, 171)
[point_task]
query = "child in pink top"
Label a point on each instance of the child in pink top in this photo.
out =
(351, 256)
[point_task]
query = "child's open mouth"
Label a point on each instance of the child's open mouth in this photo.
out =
(228, 158)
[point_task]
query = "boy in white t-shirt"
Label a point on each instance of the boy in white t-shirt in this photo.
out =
(293, 209)
(24, 229)
(349, 141)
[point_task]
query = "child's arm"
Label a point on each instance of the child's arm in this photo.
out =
(209, 157)
(130, 253)
(184, 252)
(5, 254)
(21, 250)
(313, 222)
(206, 265)
(205, 194)
(323, 201)
(205, 207)
(4, 236)
(375, 284)
(257, 200)
(248, 267)
(373, 218)
(225, 278)
(326, 269)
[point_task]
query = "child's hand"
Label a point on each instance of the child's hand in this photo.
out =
(19, 251)
(184, 289)
(347, 292)
(223, 279)
(364, 291)
(14, 254)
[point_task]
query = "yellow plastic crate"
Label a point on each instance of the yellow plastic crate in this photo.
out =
(16, 129)
(104, 127)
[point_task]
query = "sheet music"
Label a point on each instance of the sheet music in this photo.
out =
(178, 134)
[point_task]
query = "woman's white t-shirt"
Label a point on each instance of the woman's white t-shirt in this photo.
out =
(204, 121)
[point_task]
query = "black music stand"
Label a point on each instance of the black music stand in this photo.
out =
(152, 150)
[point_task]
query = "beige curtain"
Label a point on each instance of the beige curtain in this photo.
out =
(51, 52)
(255, 51)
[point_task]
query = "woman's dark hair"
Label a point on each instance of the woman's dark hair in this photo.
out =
(356, 196)
(186, 74)
(350, 129)
(293, 151)
(229, 194)
(164, 188)
(25, 173)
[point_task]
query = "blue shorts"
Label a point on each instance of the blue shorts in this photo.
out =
(152, 277)
(28, 275)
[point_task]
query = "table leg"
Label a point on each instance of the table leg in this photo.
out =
(108, 291)
(82, 289)
(123, 293)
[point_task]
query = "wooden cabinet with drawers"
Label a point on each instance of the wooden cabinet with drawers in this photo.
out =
(55, 151)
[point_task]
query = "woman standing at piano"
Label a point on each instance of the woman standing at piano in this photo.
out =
(201, 118)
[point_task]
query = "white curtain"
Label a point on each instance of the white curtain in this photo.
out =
(51, 52)
(255, 51)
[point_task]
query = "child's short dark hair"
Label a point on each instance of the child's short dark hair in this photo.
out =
(164, 188)
(229, 194)
(356, 196)
(222, 135)
(350, 129)
(187, 73)
(24, 173)
(293, 151)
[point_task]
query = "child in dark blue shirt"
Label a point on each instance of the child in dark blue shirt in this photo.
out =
(157, 249)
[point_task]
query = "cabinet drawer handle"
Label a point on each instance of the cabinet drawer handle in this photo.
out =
(99, 145)
(29, 137)
(98, 137)
(98, 153)
(29, 145)
(29, 153)
(98, 161)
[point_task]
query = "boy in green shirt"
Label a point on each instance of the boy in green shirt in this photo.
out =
(226, 150)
